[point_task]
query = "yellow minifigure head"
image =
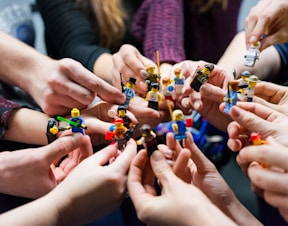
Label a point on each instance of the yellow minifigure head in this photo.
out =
(245, 75)
(121, 111)
(131, 83)
(177, 72)
(75, 113)
(150, 69)
(253, 80)
(155, 87)
(166, 81)
(177, 115)
(207, 69)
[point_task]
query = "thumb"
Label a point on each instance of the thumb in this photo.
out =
(62, 146)
(161, 168)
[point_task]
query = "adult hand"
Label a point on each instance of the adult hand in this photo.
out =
(272, 180)
(174, 195)
(66, 84)
(34, 172)
(267, 18)
(130, 63)
(253, 117)
(211, 94)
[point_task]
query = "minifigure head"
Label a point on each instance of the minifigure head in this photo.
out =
(177, 115)
(256, 45)
(253, 80)
(234, 85)
(145, 130)
(177, 72)
(75, 113)
(255, 138)
(121, 110)
(154, 87)
(207, 69)
(150, 69)
(245, 75)
(131, 82)
(118, 122)
(166, 81)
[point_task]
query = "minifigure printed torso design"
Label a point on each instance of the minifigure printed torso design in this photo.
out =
(201, 77)
(252, 55)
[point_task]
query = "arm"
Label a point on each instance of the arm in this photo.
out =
(69, 34)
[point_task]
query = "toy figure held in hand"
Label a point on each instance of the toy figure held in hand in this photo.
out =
(152, 77)
(154, 97)
(252, 82)
(178, 81)
(201, 77)
(128, 90)
(232, 95)
(148, 139)
(243, 85)
(252, 54)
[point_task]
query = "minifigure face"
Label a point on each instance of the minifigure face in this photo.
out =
(153, 89)
(121, 113)
(130, 85)
(252, 84)
(206, 71)
(150, 69)
(178, 115)
(75, 113)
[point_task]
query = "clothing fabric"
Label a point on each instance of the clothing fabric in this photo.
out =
(282, 77)
(6, 108)
(179, 33)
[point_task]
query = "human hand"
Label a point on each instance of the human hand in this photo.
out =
(67, 85)
(253, 117)
(33, 172)
(93, 187)
(130, 63)
(270, 18)
(272, 180)
(174, 195)
(211, 94)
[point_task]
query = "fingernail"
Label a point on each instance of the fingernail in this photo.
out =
(253, 39)
(236, 111)
(196, 106)
(157, 156)
(144, 73)
(167, 152)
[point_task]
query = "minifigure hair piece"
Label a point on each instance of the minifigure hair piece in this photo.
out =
(234, 84)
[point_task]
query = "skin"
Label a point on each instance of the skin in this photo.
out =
(89, 192)
(274, 155)
(267, 17)
(56, 85)
(34, 172)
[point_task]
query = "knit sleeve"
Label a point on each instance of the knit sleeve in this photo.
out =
(160, 26)
(283, 73)
(6, 108)
(69, 32)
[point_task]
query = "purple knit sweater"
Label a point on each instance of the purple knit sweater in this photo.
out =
(178, 34)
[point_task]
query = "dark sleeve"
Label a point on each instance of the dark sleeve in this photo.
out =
(282, 77)
(69, 32)
(6, 108)
(161, 27)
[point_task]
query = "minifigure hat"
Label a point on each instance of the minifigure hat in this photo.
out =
(245, 73)
(132, 80)
(253, 78)
(210, 67)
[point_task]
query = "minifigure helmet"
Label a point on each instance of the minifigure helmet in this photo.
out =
(245, 73)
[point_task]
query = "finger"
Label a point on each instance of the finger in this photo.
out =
(181, 163)
(61, 147)
(102, 157)
(213, 93)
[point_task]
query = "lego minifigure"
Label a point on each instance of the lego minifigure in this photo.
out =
(243, 85)
(148, 139)
(53, 128)
(178, 124)
(168, 89)
(154, 97)
(128, 90)
(201, 77)
(252, 54)
(232, 95)
(76, 118)
(119, 133)
(256, 139)
(252, 82)
(178, 81)
(152, 77)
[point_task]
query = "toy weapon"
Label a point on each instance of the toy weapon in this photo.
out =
(158, 63)
(122, 84)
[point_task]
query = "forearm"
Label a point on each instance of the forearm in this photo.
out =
(27, 126)
(103, 67)
(266, 68)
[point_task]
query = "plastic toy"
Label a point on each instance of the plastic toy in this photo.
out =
(252, 82)
(201, 77)
(232, 95)
(122, 113)
(243, 85)
(252, 55)
(256, 139)
(128, 90)
(148, 139)
(53, 129)
(178, 124)
(152, 77)
(154, 97)
(168, 89)
(178, 81)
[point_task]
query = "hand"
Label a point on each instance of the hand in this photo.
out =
(33, 172)
(204, 175)
(272, 180)
(94, 188)
(270, 18)
(68, 84)
(211, 94)
(130, 63)
(254, 117)
(174, 195)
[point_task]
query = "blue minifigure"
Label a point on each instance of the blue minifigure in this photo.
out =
(75, 117)
(178, 81)
(178, 124)
(129, 92)
(232, 95)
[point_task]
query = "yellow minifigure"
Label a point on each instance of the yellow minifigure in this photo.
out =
(154, 97)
